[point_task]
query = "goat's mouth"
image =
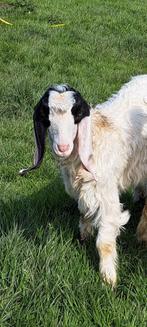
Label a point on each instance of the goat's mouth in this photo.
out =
(62, 154)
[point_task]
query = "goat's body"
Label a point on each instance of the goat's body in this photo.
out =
(128, 113)
(119, 132)
(119, 136)
(101, 151)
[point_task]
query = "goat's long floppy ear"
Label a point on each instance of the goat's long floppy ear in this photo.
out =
(81, 113)
(41, 124)
(85, 145)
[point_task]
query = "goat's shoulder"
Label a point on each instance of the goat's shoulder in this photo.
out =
(99, 121)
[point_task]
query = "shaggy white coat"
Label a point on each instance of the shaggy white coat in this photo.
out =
(100, 155)
(119, 138)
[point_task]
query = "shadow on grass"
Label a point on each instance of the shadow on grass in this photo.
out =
(48, 206)
(51, 205)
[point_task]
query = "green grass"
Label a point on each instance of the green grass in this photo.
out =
(46, 278)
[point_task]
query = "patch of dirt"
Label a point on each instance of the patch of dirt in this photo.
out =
(6, 5)
(25, 5)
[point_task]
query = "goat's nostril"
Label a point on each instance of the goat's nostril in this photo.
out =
(63, 147)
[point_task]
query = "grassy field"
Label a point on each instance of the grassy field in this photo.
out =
(46, 278)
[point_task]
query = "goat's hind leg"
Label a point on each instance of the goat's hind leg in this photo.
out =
(142, 226)
(139, 193)
(85, 230)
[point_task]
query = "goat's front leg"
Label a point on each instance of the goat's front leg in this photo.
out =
(110, 221)
(106, 246)
(87, 205)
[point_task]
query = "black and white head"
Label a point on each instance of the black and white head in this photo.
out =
(64, 113)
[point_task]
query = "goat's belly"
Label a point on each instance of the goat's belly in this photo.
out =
(136, 170)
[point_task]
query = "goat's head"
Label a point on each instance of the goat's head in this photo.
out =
(66, 115)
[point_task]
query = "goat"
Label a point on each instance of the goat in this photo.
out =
(101, 152)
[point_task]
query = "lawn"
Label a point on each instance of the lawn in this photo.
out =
(46, 278)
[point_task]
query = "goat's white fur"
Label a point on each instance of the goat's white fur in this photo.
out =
(61, 101)
(119, 138)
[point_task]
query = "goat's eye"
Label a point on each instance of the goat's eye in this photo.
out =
(79, 115)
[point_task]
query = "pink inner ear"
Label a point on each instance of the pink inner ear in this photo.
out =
(85, 145)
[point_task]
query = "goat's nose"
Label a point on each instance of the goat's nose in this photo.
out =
(63, 147)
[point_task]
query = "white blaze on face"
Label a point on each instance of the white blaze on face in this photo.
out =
(62, 128)
(63, 101)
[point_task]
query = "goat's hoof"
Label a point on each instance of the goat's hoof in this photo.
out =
(109, 281)
(109, 277)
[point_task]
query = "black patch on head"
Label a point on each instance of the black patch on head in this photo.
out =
(41, 110)
(80, 109)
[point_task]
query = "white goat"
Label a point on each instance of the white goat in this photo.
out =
(101, 152)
